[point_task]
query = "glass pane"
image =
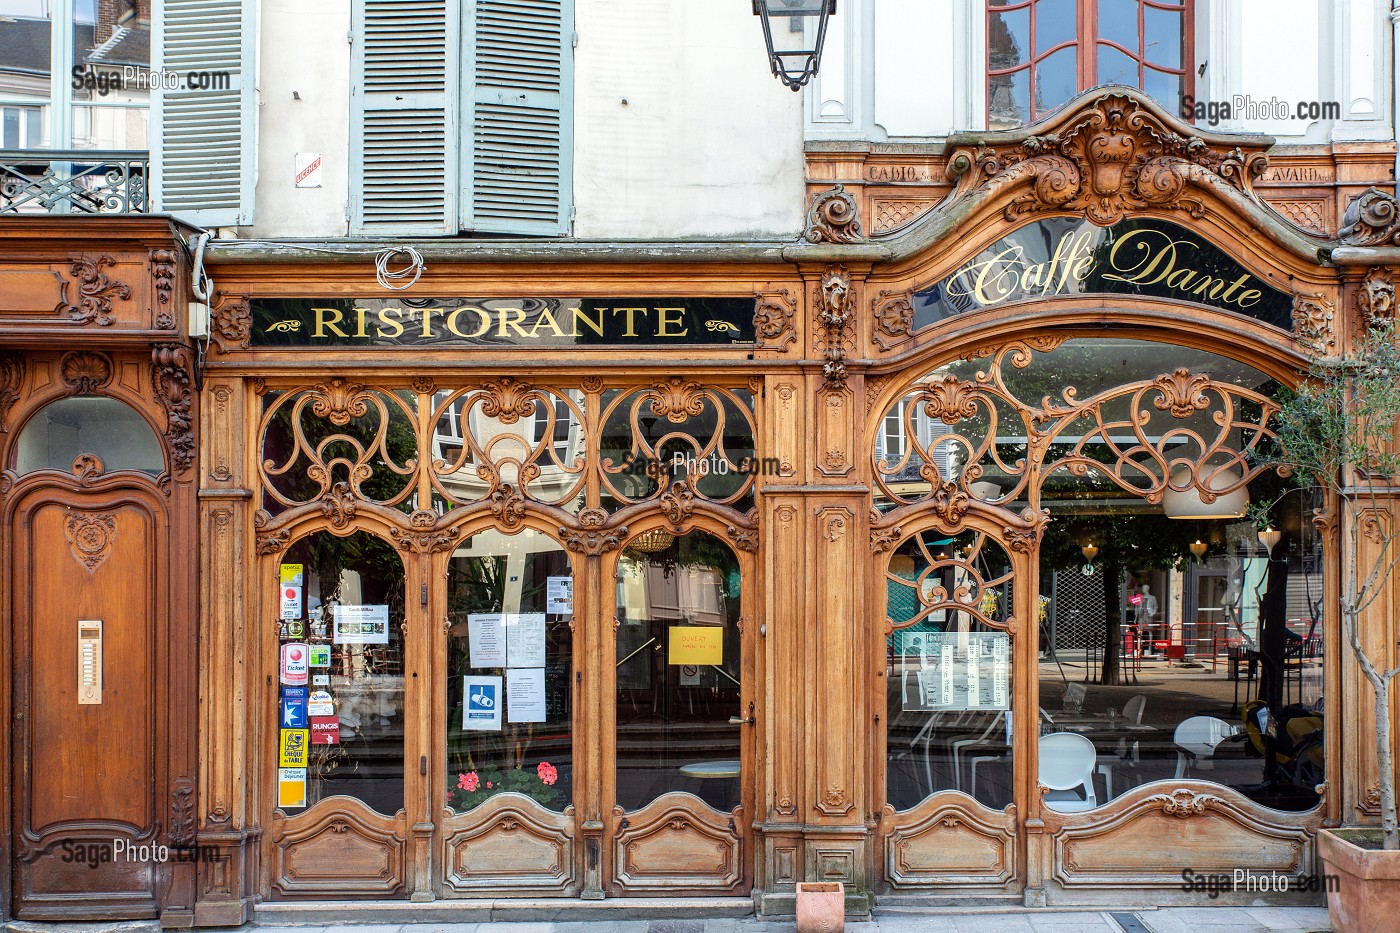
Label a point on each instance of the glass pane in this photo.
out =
(1009, 100)
(1054, 23)
(1118, 22)
(103, 427)
(112, 48)
(1056, 80)
(341, 704)
(509, 670)
(1116, 68)
(1008, 39)
(948, 669)
(678, 670)
(26, 31)
(1166, 89)
(1162, 37)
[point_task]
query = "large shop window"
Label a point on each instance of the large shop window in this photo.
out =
(1179, 617)
(1040, 53)
(340, 704)
(510, 618)
(679, 669)
(948, 669)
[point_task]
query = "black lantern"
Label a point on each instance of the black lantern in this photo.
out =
(794, 31)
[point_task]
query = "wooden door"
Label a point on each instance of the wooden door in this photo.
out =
(683, 709)
(87, 772)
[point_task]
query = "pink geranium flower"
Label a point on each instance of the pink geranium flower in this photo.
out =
(469, 782)
(547, 772)
(489, 785)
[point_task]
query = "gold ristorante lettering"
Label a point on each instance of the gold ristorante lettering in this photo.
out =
(1007, 274)
(470, 321)
(1154, 259)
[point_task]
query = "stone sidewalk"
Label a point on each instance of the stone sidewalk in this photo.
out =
(890, 920)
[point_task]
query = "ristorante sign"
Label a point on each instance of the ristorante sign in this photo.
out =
(1062, 256)
(499, 322)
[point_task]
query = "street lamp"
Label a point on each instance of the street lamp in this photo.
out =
(787, 24)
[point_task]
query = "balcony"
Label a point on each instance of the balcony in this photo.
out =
(73, 181)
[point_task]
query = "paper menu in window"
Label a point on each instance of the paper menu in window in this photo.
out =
(559, 595)
(525, 639)
(525, 694)
(487, 636)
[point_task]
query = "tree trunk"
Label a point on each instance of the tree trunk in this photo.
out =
(1112, 671)
(1384, 765)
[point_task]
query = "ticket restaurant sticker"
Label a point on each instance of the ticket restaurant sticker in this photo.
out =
(291, 578)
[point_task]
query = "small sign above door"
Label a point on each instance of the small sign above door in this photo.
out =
(501, 322)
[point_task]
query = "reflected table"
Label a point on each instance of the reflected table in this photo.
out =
(710, 770)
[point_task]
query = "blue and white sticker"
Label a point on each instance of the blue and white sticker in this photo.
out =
(482, 709)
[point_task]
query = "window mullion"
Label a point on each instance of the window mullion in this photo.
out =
(61, 68)
(1088, 35)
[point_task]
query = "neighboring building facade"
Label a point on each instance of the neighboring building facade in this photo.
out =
(614, 476)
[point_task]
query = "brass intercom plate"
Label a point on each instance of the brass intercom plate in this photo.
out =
(89, 661)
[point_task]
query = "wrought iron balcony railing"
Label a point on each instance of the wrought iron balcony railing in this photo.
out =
(73, 181)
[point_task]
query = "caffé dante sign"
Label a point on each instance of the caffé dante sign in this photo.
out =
(1063, 256)
(487, 322)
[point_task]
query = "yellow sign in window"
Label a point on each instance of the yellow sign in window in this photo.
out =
(696, 644)
(291, 787)
(294, 748)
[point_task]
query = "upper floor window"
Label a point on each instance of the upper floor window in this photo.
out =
(1040, 53)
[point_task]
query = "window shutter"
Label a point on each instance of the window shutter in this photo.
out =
(404, 112)
(203, 159)
(521, 118)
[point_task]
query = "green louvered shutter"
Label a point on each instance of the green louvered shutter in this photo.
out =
(517, 163)
(404, 117)
(202, 160)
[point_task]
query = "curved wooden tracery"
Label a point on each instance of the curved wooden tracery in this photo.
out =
(977, 589)
(1179, 431)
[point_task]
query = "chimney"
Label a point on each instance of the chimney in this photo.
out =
(107, 13)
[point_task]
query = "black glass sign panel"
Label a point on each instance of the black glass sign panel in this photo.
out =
(1065, 256)
(501, 322)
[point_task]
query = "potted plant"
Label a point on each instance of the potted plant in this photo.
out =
(1338, 431)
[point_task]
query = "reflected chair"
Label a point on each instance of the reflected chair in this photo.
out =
(967, 741)
(1196, 740)
(1127, 759)
(1132, 710)
(1067, 762)
(1074, 696)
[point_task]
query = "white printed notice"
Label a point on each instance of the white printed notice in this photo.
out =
(481, 711)
(559, 595)
(525, 639)
(965, 670)
(487, 633)
(360, 625)
(525, 694)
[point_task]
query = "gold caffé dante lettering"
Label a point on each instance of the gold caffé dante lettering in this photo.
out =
(309, 322)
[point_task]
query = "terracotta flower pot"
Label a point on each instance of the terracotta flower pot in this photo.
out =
(821, 907)
(1365, 898)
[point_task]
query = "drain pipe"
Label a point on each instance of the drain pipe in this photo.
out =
(1395, 89)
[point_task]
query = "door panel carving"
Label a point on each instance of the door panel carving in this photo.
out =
(677, 842)
(509, 843)
(950, 840)
(340, 846)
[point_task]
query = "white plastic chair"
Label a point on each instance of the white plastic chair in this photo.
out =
(1196, 739)
(1066, 764)
(1132, 710)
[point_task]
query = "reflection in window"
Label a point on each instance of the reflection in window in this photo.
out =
(340, 704)
(1040, 53)
(678, 669)
(948, 669)
(104, 427)
(509, 670)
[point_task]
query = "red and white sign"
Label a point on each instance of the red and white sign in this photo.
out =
(325, 730)
(295, 667)
(308, 169)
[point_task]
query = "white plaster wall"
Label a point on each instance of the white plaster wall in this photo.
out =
(303, 48)
(680, 128)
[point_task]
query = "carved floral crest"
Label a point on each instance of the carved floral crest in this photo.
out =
(773, 320)
(894, 319)
(833, 218)
(1109, 156)
(1376, 299)
(951, 400)
(677, 399)
(95, 292)
(1312, 323)
(1371, 219)
(340, 400)
(1184, 803)
(509, 400)
(84, 372)
(1182, 393)
(90, 536)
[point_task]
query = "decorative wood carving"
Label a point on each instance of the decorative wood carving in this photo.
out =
(1376, 300)
(774, 320)
(338, 505)
(677, 399)
(593, 539)
(172, 383)
(1207, 828)
(509, 844)
(182, 819)
(95, 292)
(677, 503)
(231, 323)
(1307, 214)
(425, 537)
(90, 536)
(508, 400)
(1312, 323)
(339, 400)
(833, 218)
(269, 542)
(677, 843)
(163, 266)
(893, 323)
(11, 378)
(423, 385)
(508, 506)
(834, 315)
(882, 539)
(339, 846)
(87, 469)
(893, 213)
(745, 539)
(950, 840)
(1371, 219)
(84, 371)
(1110, 156)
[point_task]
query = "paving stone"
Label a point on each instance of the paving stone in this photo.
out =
(676, 926)
(1290, 919)
(1062, 922)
